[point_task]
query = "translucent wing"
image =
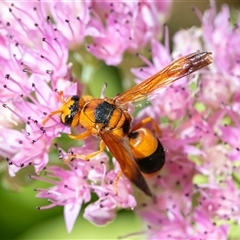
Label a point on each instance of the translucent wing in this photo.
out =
(177, 69)
(120, 149)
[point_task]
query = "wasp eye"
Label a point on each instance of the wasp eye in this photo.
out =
(68, 120)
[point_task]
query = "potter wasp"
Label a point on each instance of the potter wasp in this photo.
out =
(136, 148)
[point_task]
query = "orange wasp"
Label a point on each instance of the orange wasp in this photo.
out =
(137, 149)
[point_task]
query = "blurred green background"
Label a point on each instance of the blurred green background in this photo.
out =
(19, 218)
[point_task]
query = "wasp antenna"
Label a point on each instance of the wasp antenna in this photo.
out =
(50, 116)
(61, 96)
(103, 90)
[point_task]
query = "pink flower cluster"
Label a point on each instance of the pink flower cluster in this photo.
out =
(196, 193)
(37, 39)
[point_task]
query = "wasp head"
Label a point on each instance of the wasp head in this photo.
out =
(70, 111)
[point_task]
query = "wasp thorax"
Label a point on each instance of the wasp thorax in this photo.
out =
(70, 111)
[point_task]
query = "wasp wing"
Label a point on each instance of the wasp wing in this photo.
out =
(120, 149)
(177, 69)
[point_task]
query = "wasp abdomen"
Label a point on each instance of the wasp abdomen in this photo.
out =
(147, 151)
(152, 163)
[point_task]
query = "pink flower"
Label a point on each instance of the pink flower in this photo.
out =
(222, 37)
(128, 26)
(77, 25)
(191, 39)
(196, 187)
(36, 39)
(33, 40)
(63, 194)
(73, 187)
(198, 115)
(161, 57)
(35, 138)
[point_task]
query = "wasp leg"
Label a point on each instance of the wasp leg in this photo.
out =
(87, 98)
(61, 96)
(46, 119)
(88, 156)
(54, 112)
(119, 174)
(80, 136)
(145, 121)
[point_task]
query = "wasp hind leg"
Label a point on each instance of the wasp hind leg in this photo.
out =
(119, 174)
(82, 136)
(145, 121)
(86, 157)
